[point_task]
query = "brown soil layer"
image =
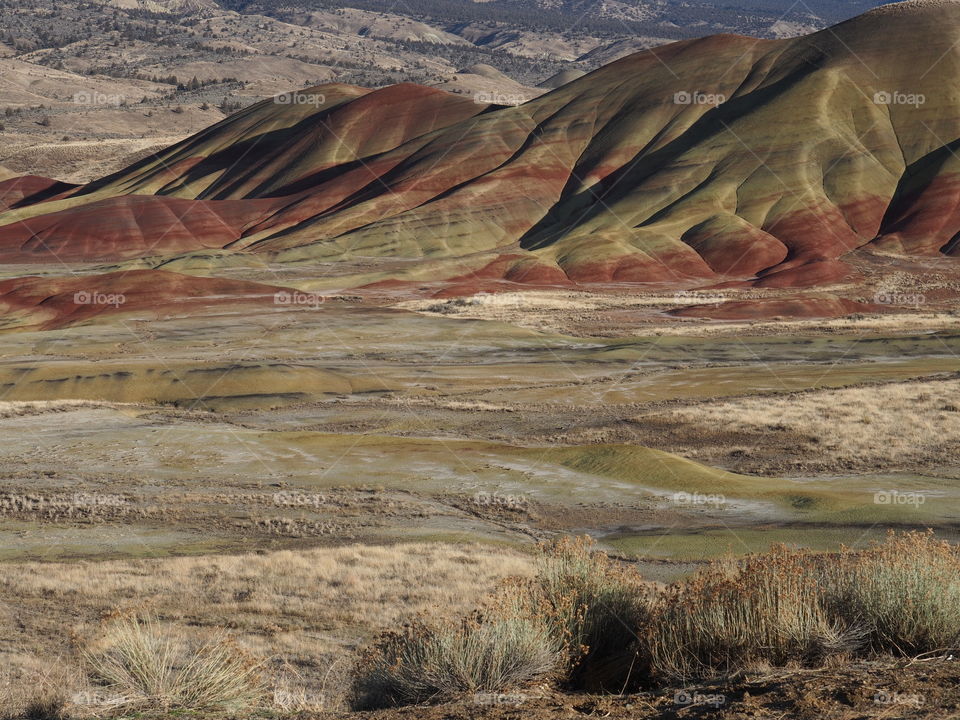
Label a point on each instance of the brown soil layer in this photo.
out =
(858, 692)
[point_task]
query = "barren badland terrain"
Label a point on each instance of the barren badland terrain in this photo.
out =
(464, 360)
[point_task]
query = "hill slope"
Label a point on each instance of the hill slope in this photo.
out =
(723, 158)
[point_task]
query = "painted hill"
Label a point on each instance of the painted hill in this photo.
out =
(723, 159)
(561, 78)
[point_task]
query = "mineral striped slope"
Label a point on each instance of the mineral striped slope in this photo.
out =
(720, 159)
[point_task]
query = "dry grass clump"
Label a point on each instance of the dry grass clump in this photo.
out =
(147, 666)
(592, 606)
(765, 609)
(574, 620)
(900, 597)
(904, 593)
(428, 662)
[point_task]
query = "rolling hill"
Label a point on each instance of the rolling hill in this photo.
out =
(725, 159)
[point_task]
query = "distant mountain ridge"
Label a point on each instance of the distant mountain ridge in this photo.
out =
(674, 19)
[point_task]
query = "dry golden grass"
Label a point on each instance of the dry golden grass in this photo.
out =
(296, 609)
(893, 425)
(147, 666)
(35, 686)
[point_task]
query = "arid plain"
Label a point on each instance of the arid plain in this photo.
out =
(311, 474)
(338, 364)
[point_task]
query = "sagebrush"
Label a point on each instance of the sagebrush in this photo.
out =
(587, 621)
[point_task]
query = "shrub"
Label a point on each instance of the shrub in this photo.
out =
(436, 662)
(602, 627)
(766, 608)
(900, 597)
(578, 616)
(150, 668)
(593, 607)
(905, 593)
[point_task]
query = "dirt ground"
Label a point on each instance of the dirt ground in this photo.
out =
(861, 692)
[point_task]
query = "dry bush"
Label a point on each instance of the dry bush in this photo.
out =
(592, 606)
(577, 617)
(148, 667)
(439, 662)
(899, 597)
(904, 592)
(767, 608)
(608, 629)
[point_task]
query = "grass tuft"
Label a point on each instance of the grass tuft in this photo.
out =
(900, 597)
(432, 663)
(146, 666)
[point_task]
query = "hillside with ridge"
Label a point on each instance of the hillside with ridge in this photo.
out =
(769, 163)
(89, 87)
